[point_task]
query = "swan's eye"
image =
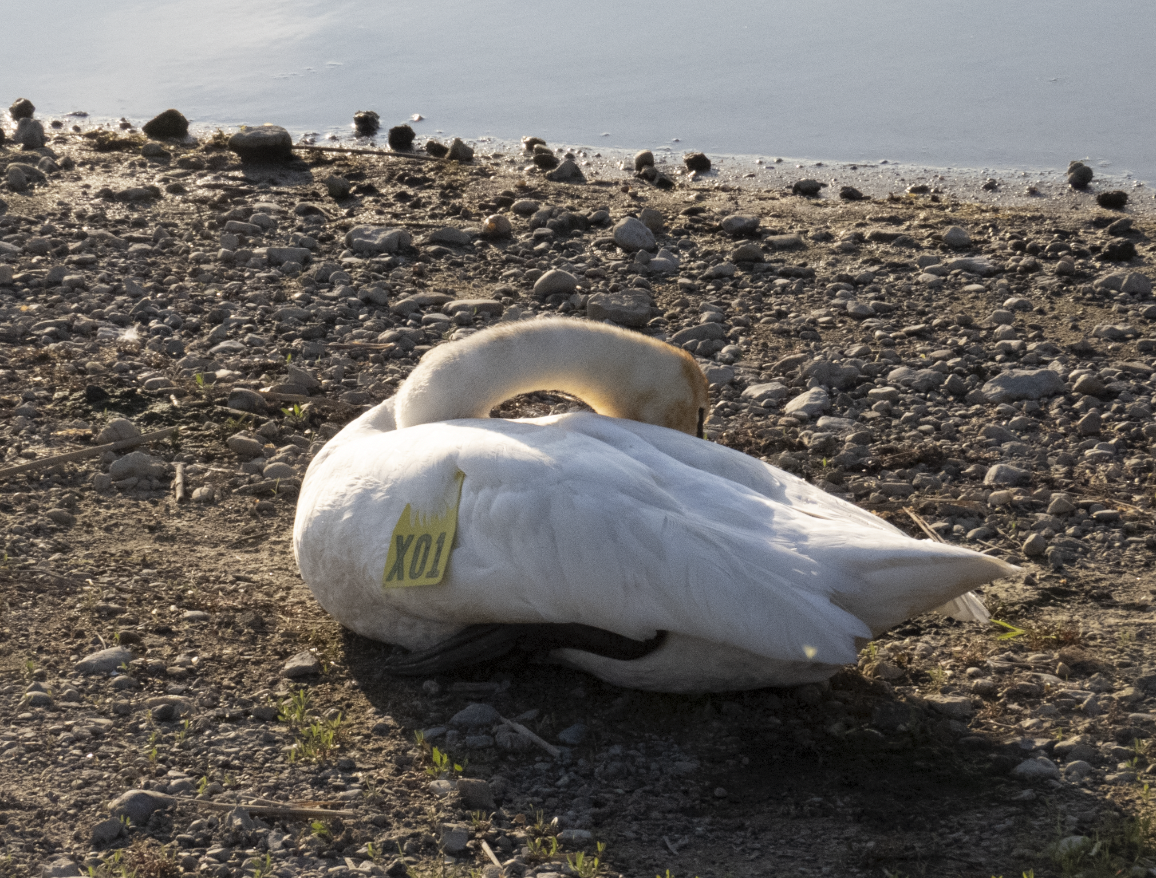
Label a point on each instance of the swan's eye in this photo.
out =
(701, 420)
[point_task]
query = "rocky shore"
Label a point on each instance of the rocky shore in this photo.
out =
(175, 703)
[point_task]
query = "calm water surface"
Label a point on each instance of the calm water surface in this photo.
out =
(984, 84)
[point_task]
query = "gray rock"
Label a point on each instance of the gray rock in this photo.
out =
(701, 332)
(138, 464)
(664, 262)
(264, 143)
(245, 445)
(1016, 384)
(1005, 474)
(279, 470)
(973, 265)
(739, 225)
(1137, 284)
(748, 252)
(474, 306)
(102, 833)
(16, 178)
(245, 400)
(460, 151)
(1034, 546)
(105, 661)
(21, 108)
(631, 235)
(455, 838)
(567, 172)
(643, 159)
(1089, 385)
(117, 430)
(784, 242)
(652, 219)
(281, 255)
(475, 795)
(303, 378)
(575, 837)
(376, 239)
(448, 235)
(475, 715)
(301, 665)
(170, 123)
(30, 134)
(630, 309)
(497, 226)
(1040, 768)
(61, 516)
(957, 237)
(809, 188)
(810, 404)
(139, 805)
(573, 735)
(338, 187)
(554, 282)
(61, 868)
(716, 375)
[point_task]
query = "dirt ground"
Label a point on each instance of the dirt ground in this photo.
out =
(953, 749)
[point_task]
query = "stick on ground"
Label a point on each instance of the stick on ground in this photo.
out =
(83, 453)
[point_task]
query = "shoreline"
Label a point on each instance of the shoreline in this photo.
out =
(878, 179)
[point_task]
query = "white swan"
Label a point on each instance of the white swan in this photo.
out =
(618, 542)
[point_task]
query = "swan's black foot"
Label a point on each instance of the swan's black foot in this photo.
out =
(483, 643)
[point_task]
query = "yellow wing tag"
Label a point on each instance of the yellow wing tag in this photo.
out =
(419, 549)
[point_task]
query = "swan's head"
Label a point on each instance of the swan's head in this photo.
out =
(616, 372)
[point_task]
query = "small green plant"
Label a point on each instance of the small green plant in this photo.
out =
(264, 868)
(294, 711)
(203, 785)
(543, 848)
(372, 851)
(1011, 632)
(442, 764)
(183, 734)
(200, 379)
(295, 415)
(321, 829)
(1127, 637)
(584, 866)
(479, 821)
(937, 677)
(30, 668)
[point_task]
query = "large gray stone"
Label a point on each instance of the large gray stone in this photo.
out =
(810, 404)
(701, 332)
(448, 235)
(105, 661)
(1016, 384)
(476, 715)
(1005, 475)
(281, 255)
(137, 464)
(736, 224)
(30, 134)
(771, 392)
(625, 308)
(301, 665)
(139, 805)
(376, 239)
(973, 265)
(957, 237)
(631, 234)
(555, 282)
(1040, 768)
(264, 143)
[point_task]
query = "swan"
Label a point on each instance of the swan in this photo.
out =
(616, 541)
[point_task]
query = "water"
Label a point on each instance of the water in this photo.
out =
(984, 84)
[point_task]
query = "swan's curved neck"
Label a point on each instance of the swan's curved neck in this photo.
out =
(615, 372)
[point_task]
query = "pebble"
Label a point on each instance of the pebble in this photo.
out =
(21, 108)
(567, 172)
(957, 237)
(460, 151)
(573, 735)
(475, 795)
(455, 838)
(1006, 474)
(139, 805)
(696, 162)
(1079, 175)
(630, 309)
(301, 665)
(476, 715)
(30, 134)
(643, 159)
(740, 226)
(807, 188)
(810, 404)
(632, 235)
(104, 661)
(555, 282)
(1040, 768)
(1016, 384)
(170, 123)
(263, 143)
(374, 240)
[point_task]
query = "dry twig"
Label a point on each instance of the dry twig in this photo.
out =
(83, 453)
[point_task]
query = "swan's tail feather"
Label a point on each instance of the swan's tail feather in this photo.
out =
(965, 608)
(933, 577)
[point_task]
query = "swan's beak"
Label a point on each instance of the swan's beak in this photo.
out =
(701, 422)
